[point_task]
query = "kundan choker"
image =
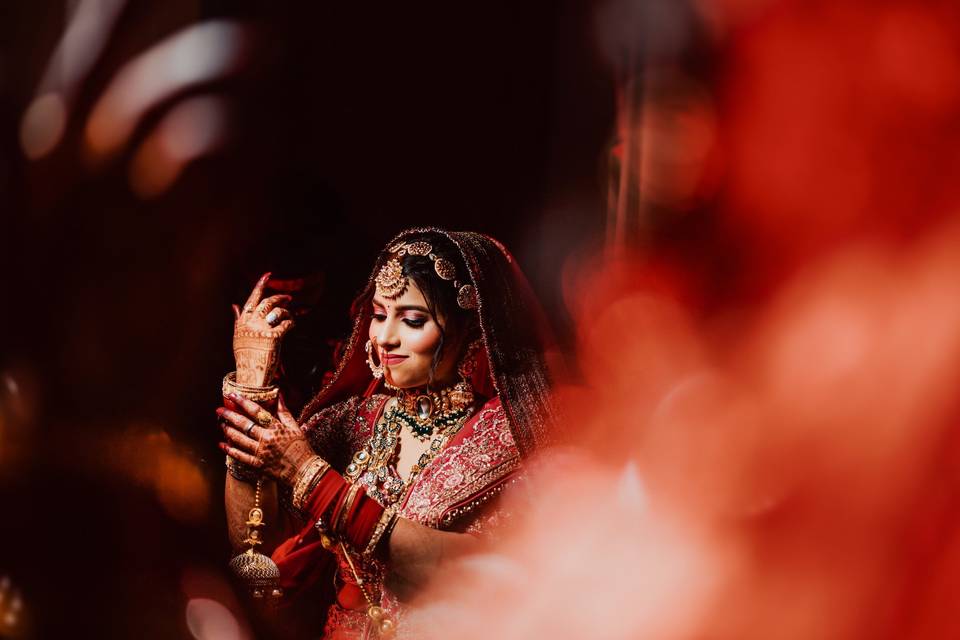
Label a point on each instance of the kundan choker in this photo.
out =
(425, 411)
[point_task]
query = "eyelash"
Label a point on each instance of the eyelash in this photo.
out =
(410, 322)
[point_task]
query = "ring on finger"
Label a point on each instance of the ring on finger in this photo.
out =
(249, 428)
(263, 418)
(273, 318)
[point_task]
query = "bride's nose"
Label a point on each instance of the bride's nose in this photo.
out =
(387, 337)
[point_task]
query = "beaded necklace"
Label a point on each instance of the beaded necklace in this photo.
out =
(373, 465)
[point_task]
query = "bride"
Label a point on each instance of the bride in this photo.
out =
(441, 394)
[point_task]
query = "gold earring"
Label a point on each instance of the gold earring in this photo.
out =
(462, 393)
(375, 369)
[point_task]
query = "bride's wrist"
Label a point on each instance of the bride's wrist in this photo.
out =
(253, 377)
(257, 359)
(306, 478)
(265, 395)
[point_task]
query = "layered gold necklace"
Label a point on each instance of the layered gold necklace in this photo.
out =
(433, 416)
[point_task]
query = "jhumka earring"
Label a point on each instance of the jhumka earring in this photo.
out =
(259, 572)
(375, 369)
(462, 392)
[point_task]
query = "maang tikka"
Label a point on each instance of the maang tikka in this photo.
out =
(391, 281)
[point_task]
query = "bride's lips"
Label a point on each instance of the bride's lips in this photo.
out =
(393, 359)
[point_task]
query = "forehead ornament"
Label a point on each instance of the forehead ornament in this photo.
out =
(391, 281)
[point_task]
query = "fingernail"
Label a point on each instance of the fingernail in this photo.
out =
(220, 411)
(232, 395)
(223, 447)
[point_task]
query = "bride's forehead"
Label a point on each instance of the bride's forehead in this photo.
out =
(411, 297)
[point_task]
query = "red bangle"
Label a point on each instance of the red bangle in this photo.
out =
(344, 510)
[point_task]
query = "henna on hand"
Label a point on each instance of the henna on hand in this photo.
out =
(256, 342)
(279, 449)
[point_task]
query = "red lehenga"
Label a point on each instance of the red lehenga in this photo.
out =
(457, 489)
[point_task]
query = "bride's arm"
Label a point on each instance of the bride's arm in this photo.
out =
(416, 551)
(347, 514)
(259, 328)
(239, 499)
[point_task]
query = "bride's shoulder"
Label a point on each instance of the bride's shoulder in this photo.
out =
(490, 419)
(492, 408)
(348, 408)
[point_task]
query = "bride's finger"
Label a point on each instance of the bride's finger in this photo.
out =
(251, 408)
(236, 312)
(238, 420)
(286, 418)
(240, 440)
(284, 326)
(241, 456)
(269, 303)
(257, 293)
(276, 316)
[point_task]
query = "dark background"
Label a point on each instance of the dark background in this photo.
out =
(350, 123)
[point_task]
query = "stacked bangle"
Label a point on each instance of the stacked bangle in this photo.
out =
(265, 395)
(382, 531)
(343, 512)
(341, 515)
(306, 480)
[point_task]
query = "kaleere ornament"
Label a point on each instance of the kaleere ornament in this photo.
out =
(258, 572)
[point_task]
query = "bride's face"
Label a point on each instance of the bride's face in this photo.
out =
(407, 336)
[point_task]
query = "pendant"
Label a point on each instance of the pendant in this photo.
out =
(424, 407)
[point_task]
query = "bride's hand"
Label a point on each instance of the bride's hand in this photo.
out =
(257, 331)
(274, 444)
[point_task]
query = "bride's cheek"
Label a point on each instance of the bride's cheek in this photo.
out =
(424, 341)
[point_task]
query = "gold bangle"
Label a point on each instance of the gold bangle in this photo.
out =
(307, 478)
(256, 394)
(384, 526)
(345, 510)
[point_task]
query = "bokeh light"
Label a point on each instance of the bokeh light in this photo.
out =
(43, 125)
(192, 129)
(202, 53)
(209, 620)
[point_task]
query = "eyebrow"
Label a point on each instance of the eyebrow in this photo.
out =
(406, 307)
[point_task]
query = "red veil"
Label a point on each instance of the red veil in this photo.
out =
(515, 337)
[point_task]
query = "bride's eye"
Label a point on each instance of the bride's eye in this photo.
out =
(379, 317)
(416, 323)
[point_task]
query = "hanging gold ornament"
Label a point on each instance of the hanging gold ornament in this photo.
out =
(257, 571)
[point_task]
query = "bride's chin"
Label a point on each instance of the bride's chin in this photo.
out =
(406, 383)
